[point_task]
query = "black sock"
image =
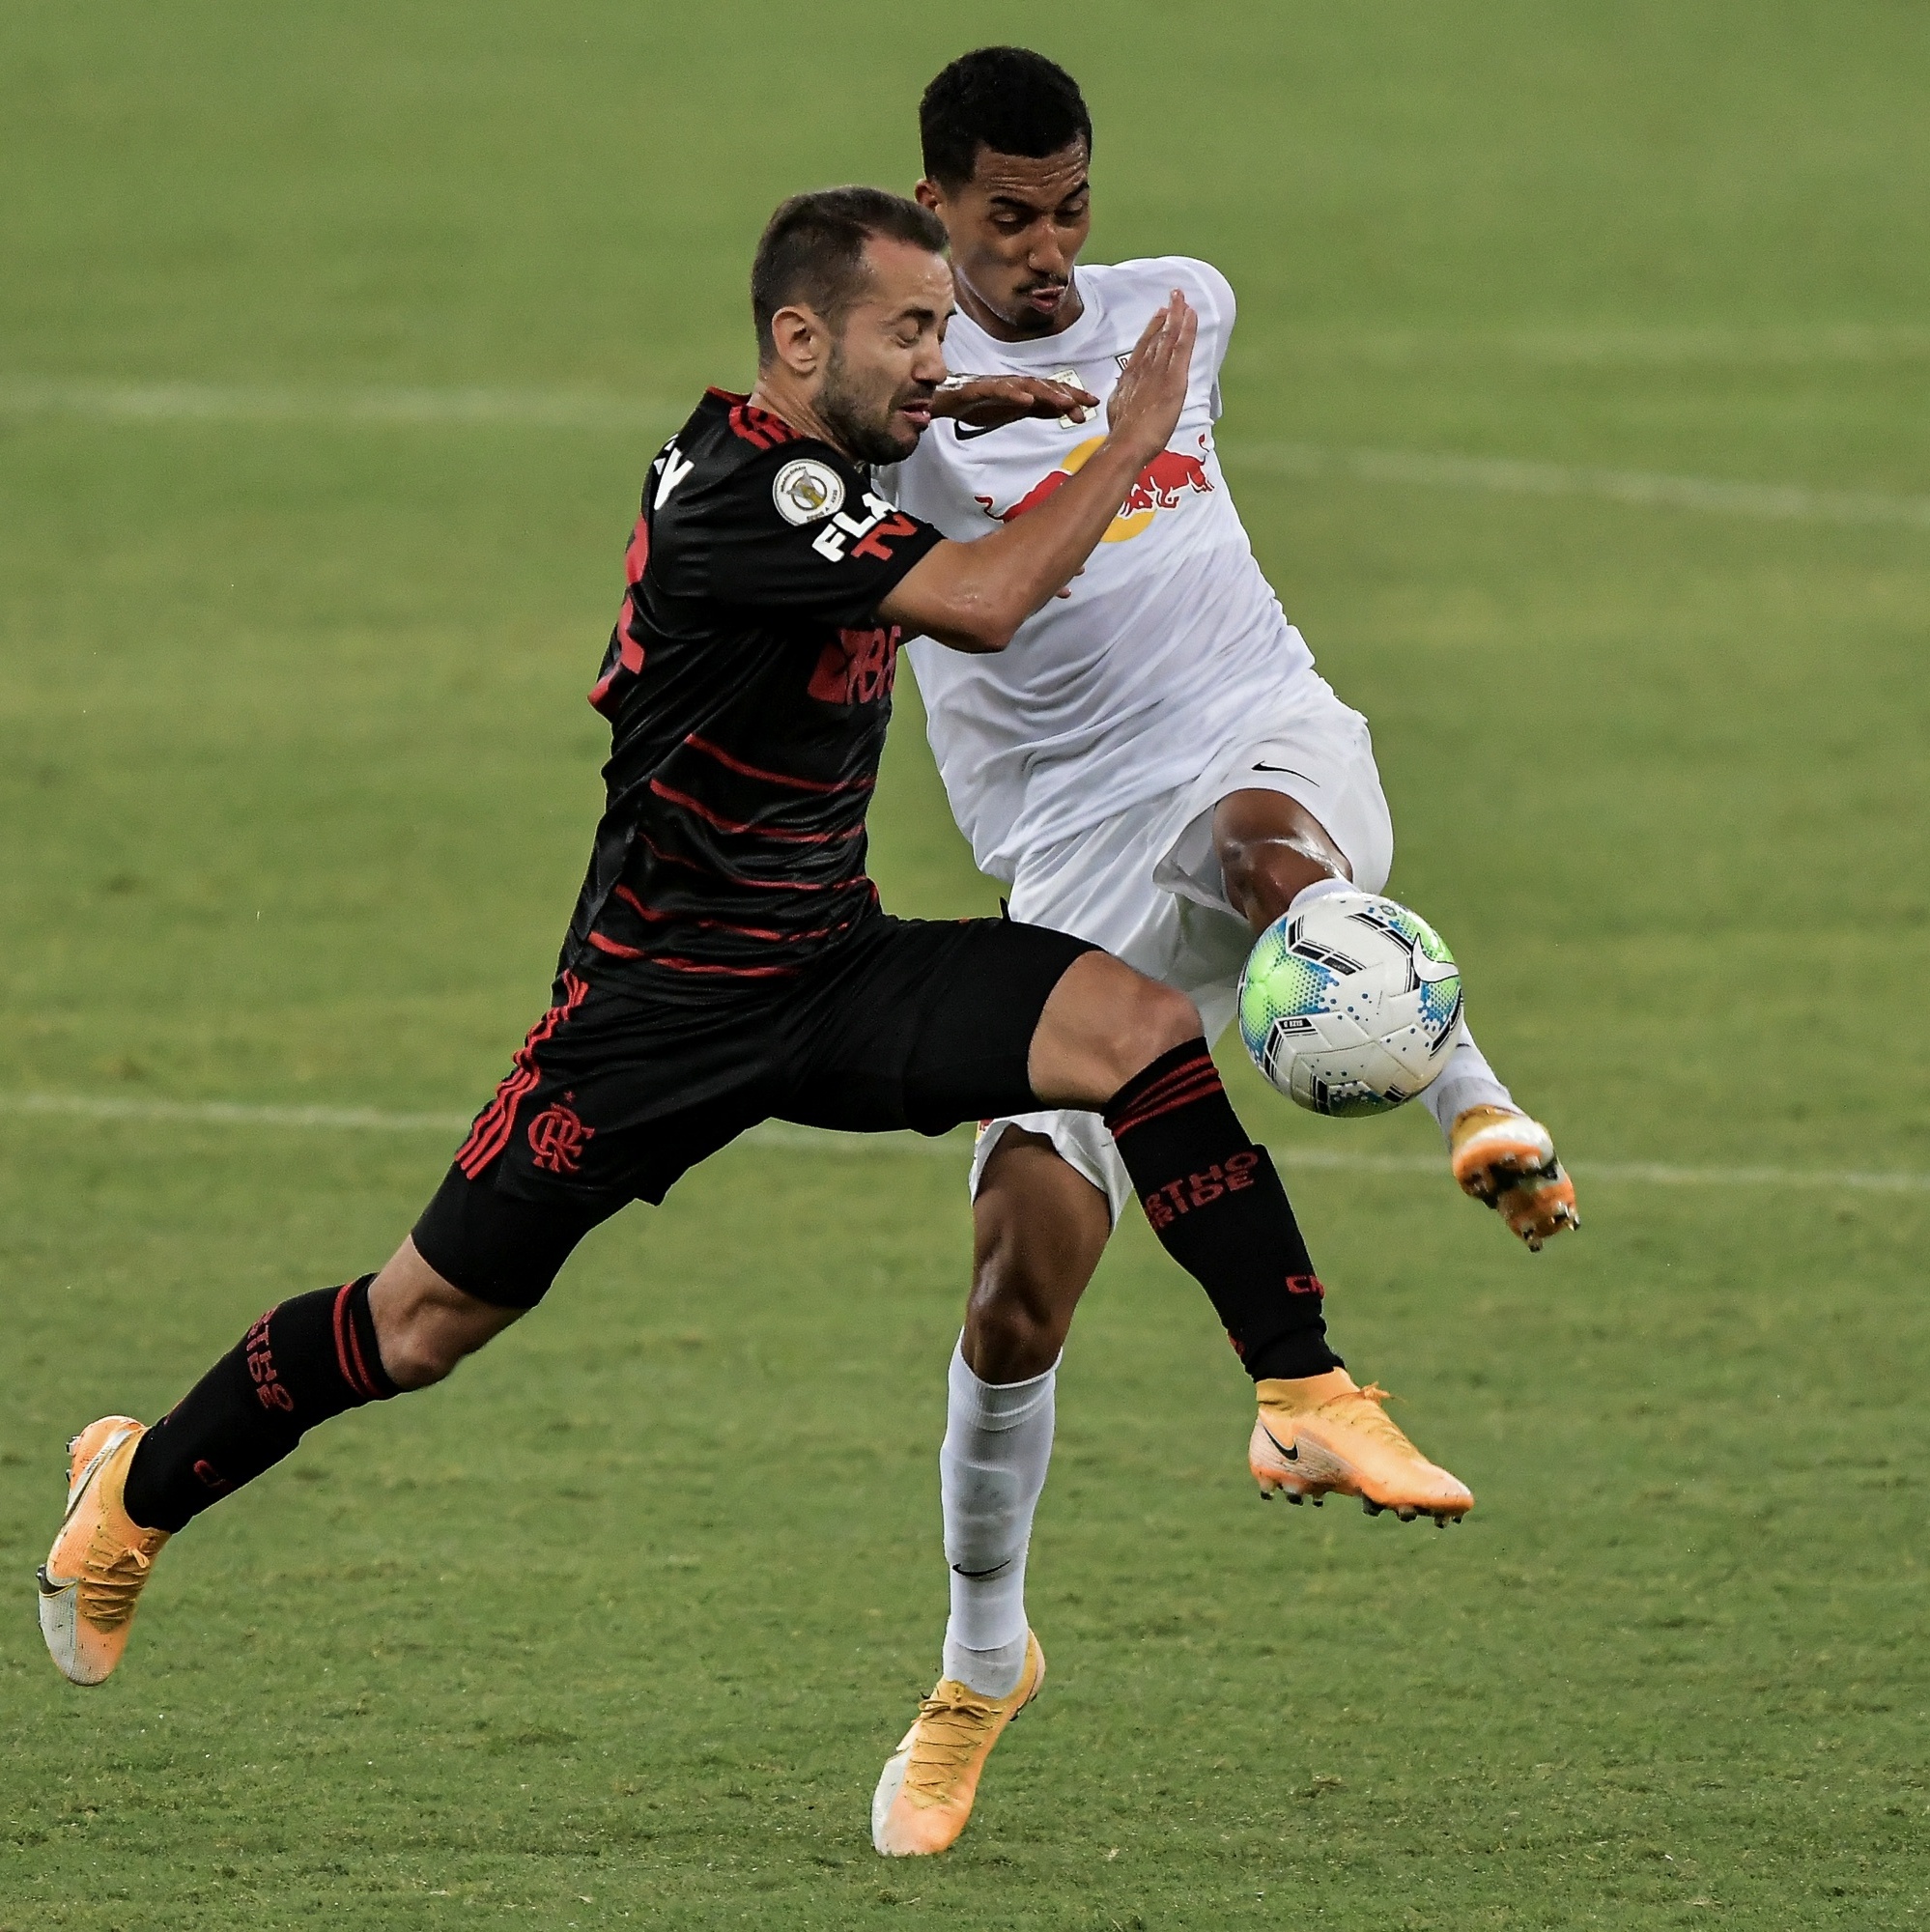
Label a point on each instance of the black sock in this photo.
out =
(303, 1361)
(1219, 1210)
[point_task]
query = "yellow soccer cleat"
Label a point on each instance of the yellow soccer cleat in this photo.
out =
(1324, 1434)
(1507, 1162)
(100, 1562)
(924, 1797)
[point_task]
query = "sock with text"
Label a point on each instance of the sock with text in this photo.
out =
(304, 1361)
(1217, 1206)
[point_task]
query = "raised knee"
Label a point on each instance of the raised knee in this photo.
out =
(1265, 877)
(1162, 1018)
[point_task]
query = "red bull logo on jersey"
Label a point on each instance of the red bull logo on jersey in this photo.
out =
(1164, 484)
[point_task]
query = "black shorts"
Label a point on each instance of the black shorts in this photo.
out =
(635, 1074)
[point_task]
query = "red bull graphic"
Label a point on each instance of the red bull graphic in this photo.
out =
(1163, 485)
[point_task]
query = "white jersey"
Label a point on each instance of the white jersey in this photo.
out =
(1170, 640)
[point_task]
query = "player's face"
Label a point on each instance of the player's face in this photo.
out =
(1016, 228)
(886, 362)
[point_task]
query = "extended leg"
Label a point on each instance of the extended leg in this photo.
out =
(305, 1360)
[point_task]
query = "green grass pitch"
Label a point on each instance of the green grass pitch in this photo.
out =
(296, 781)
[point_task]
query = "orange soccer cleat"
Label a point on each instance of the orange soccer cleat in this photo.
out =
(1325, 1434)
(1507, 1162)
(100, 1562)
(924, 1797)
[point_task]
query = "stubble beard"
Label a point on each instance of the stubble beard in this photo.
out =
(858, 426)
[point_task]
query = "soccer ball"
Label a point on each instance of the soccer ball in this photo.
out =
(1352, 1006)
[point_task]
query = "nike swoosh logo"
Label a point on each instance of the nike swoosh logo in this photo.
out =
(965, 432)
(979, 1576)
(87, 1474)
(1430, 972)
(1292, 1455)
(1288, 769)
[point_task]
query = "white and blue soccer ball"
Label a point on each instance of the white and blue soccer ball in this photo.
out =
(1352, 1006)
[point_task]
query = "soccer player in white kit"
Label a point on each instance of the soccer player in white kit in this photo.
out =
(1154, 765)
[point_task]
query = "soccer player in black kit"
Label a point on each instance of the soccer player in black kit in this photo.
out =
(728, 960)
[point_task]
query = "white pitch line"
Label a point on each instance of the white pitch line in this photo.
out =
(583, 410)
(242, 403)
(230, 1113)
(1774, 502)
(816, 1139)
(1594, 346)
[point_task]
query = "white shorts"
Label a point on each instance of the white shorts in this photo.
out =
(1148, 887)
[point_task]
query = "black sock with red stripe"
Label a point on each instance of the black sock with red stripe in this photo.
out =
(303, 1361)
(1217, 1206)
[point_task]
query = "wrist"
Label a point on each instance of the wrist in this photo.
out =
(1136, 447)
(946, 398)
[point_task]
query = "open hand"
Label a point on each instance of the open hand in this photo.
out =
(1152, 391)
(990, 402)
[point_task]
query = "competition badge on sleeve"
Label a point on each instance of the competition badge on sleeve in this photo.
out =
(807, 491)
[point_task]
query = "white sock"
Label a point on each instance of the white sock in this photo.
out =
(998, 1441)
(1466, 1081)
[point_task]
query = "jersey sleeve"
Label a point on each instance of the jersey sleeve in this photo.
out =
(803, 537)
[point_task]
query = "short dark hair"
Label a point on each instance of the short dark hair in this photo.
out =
(813, 252)
(1010, 100)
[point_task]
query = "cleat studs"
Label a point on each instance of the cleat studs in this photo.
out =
(1294, 1497)
(1318, 1502)
(1371, 1508)
(1266, 1495)
(1440, 1523)
(1406, 1514)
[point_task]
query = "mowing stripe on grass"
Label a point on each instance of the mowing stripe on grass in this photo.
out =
(816, 1139)
(1508, 476)
(582, 410)
(252, 403)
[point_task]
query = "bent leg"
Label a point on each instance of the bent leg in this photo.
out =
(1113, 1042)
(1102, 1024)
(1271, 848)
(1275, 856)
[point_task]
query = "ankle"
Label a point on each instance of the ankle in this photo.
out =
(1303, 1392)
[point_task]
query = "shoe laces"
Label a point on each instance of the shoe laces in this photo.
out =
(112, 1576)
(950, 1728)
(1374, 1419)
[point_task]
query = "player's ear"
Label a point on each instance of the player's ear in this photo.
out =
(799, 340)
(928, 194)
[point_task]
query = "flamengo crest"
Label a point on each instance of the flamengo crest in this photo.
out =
(557, 1138)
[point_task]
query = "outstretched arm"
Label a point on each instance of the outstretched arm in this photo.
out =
(974, 596)
(990, 402)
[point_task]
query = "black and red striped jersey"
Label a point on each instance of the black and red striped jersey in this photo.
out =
(748, 685)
